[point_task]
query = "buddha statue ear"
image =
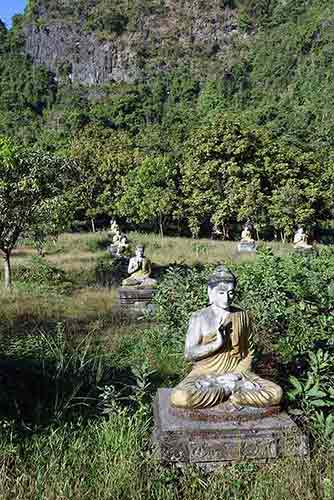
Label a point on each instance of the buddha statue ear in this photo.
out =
(210, 292)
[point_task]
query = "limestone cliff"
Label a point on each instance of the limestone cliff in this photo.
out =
(96, 41)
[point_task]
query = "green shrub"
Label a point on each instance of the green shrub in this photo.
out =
(110, 271)
(312, 395)
(40, 272)
(182, 291)
(290, 299)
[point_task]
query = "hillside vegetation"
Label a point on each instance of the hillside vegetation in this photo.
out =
(253, 112)
(188, 118)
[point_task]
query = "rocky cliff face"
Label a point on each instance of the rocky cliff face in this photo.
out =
(69, 52)
(180, 32)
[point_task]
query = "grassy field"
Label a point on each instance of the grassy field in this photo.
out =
(77, 378)
(76, 254)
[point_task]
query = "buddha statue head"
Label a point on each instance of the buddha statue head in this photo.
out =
(140, 251)
(221, 287)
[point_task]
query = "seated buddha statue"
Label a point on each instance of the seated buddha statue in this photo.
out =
(139, 270)
(246, 234)
(219, 343)
(300, 239)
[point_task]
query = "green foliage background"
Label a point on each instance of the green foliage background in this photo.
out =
(254, 141)
(290, 300)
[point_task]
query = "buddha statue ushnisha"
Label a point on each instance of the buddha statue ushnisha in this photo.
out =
(220, 346)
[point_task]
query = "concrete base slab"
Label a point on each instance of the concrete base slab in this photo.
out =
(223, 435)
(305, 250)
(246, 247)
(136, 299)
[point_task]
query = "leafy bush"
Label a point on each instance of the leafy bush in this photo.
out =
(182, 291)
(312, 395)
(316, 388)
(290, 299)
(41, 272)
(110, 271)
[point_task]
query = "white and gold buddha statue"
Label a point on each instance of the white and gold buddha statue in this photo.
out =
(219, 343)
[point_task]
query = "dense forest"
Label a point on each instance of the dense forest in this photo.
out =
(244, 133)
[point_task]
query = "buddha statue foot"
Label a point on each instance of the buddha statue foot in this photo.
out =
(239, 390)
(146, 283)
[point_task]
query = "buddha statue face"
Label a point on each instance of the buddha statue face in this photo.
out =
(140, 252)
(222, 294)
(221, 288)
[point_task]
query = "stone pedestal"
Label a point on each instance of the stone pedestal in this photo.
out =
(223, 435)
(304, 250)
(247, 246)
(135, 298)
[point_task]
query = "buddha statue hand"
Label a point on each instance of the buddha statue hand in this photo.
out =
(218, 337)
(225, 329)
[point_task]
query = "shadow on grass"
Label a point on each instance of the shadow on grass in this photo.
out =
(30, 322)
(54, 369)
(37, 394)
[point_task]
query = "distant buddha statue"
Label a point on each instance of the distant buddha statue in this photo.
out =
(139, 270)
(119, 241)
(246, 234)
(300, 240)
(247, 243)
(219, 344)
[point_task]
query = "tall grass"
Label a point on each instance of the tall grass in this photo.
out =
(113, 459)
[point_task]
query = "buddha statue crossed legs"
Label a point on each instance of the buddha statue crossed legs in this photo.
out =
(219, 343)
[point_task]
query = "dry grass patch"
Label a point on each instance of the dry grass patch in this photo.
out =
(82, 304)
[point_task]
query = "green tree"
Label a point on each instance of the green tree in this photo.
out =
(233, 173)
(53, 217)
(150, 192)
(104, 158)
(28, 180)
(224, 175)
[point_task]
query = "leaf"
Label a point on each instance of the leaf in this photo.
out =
(316, 393)
(295, 382)
(318, 403)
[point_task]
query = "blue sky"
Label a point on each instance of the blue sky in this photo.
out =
(10, 7)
